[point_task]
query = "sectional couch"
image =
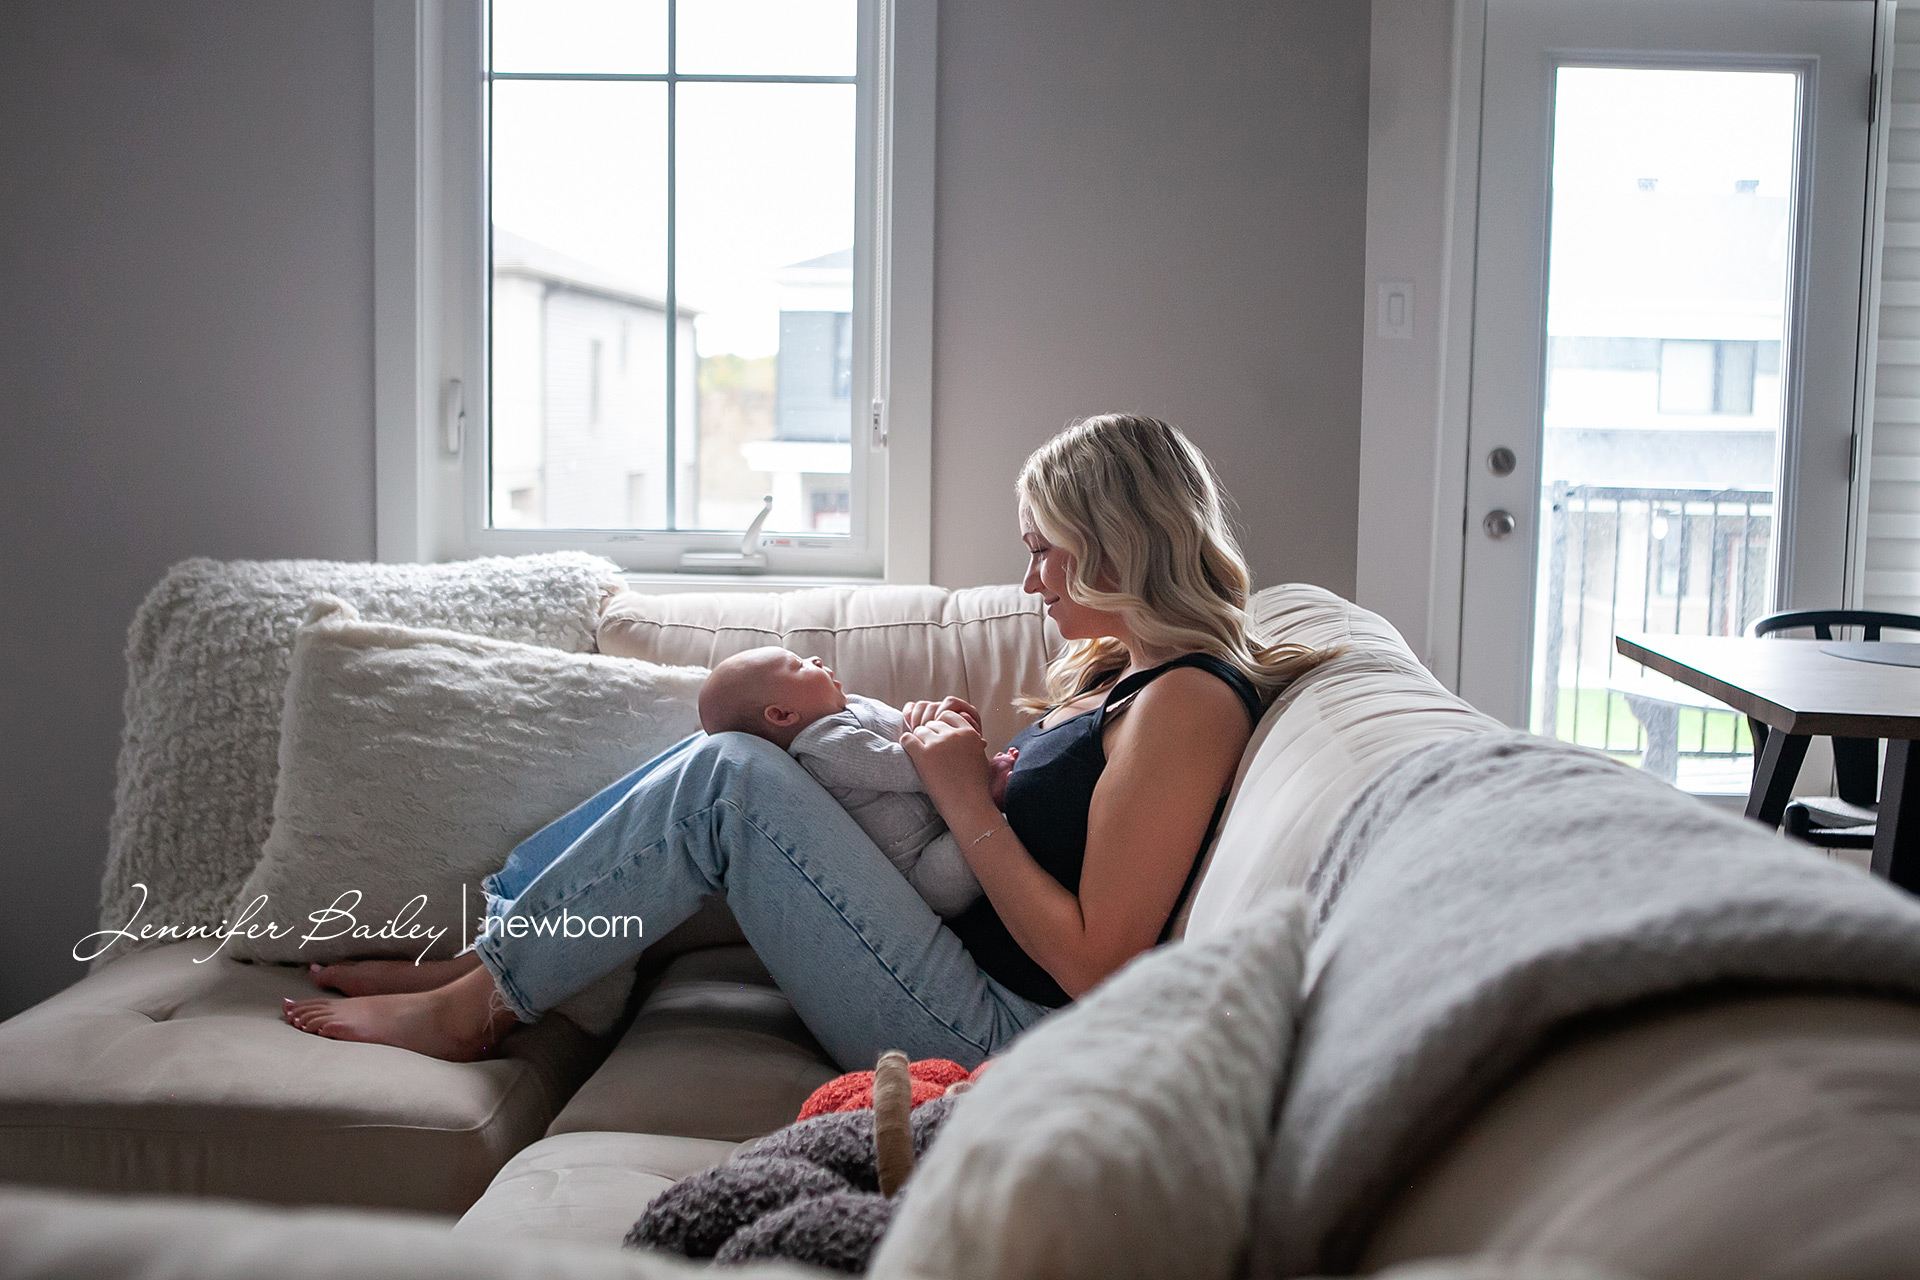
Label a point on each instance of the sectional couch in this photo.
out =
(157, 1074)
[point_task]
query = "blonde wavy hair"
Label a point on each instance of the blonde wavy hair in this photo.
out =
(1142, 513)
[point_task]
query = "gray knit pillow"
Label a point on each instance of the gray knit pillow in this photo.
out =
(207, 659)
(1122, 1136)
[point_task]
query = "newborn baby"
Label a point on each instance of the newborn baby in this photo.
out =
(852, 746)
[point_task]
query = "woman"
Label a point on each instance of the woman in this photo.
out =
(1116, 791)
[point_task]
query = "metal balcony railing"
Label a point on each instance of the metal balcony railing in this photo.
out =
(1667, 561)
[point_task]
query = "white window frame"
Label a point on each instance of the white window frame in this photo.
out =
(430, 322)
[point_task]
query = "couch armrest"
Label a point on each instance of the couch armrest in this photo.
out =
(1704, 1137)
(51, 1236)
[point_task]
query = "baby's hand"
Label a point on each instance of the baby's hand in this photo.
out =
(999, 767)
(919, 713)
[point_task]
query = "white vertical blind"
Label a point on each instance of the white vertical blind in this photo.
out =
(1892, 579)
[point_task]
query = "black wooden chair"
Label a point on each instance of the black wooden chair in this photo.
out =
(1856, 761)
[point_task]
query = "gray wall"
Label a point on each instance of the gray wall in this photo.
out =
(1162, 208)
(1140, 205)
(186, 368)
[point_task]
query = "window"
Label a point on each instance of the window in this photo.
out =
(668, 258)
(1700, 376)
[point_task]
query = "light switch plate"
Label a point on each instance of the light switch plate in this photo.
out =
(1394, 316)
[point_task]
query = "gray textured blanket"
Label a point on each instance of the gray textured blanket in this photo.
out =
(1483, 891)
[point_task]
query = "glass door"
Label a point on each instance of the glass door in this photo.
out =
(1667, 304)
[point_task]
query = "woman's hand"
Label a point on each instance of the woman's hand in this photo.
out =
(919, 713)
(951, 757)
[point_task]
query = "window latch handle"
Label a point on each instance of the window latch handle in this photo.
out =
(750, 544)
(453, 419)
(748, 559)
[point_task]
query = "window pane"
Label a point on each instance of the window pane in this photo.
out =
(1686, 376)
(766, 37)
(579, 319)
(626, 36)
(765, 259)
(1672, 230)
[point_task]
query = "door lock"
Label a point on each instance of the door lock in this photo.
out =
(1499, 524)
(1502, 461)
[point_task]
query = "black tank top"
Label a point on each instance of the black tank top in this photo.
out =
(1048, 796)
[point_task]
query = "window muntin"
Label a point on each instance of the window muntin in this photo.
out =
(724, 196)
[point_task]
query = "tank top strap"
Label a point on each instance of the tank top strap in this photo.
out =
(1219, 668)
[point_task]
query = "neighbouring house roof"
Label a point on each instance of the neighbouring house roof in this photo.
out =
(841, 259)
(515, 255)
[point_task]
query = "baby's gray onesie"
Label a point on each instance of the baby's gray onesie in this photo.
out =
(856, 755)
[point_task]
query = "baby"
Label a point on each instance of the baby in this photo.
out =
(851, 745)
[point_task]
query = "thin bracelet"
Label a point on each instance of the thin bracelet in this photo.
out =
(989, 831)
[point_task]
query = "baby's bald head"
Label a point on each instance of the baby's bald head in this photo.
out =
(772, 693)
(738, 690)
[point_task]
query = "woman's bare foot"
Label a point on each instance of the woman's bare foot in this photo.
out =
(388, 977)
(460, 1022)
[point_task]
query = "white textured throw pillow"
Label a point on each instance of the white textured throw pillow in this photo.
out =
(1120, 1137)
(413, 761)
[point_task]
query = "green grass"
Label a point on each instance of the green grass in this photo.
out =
(1725, 731)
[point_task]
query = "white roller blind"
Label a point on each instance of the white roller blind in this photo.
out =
(1892, 579)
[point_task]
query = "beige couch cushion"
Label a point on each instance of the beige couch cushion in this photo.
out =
(586, 1187)
(1757, 1137)
(1322, 741)
(984, 644)
(159, 1074)
(715, 1052)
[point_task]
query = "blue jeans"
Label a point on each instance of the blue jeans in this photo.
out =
(867, 964)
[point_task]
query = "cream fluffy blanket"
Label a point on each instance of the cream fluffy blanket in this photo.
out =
(1484, 890)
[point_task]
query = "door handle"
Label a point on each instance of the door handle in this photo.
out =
(1499, 524)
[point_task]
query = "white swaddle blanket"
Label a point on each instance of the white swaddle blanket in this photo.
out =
(856, 755)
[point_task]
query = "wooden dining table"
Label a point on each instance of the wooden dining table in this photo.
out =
(1800, 691)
